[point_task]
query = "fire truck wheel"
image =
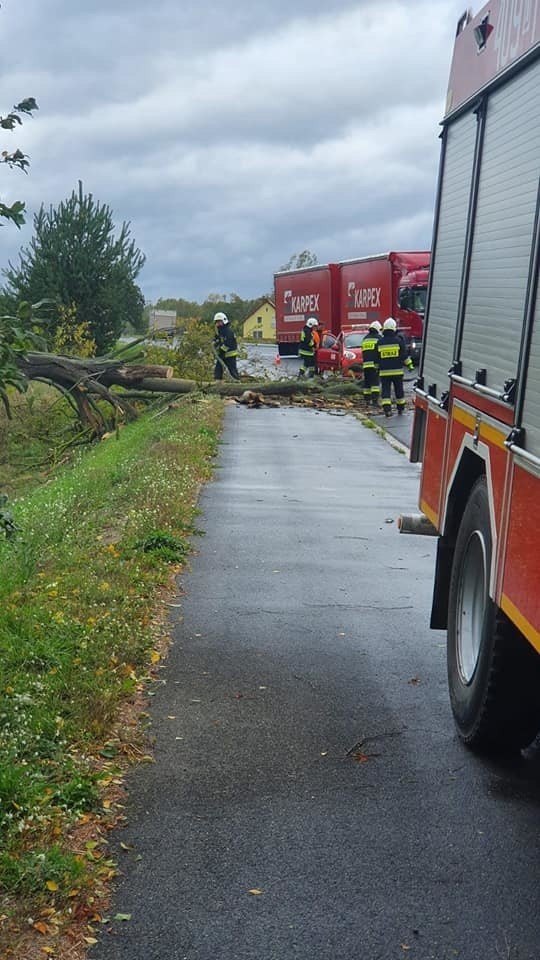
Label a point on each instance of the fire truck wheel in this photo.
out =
(493, 672)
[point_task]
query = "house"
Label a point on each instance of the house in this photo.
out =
(162, 320)
(261, 322)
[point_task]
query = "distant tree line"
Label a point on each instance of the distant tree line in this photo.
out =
(236, 308)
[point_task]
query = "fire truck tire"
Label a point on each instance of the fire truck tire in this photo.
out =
(493, 672)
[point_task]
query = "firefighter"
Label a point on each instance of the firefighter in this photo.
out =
(306, 350)
(392, 355)
(225, 347)
(370, 363)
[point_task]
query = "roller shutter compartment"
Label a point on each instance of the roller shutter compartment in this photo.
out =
(503, 231)
(531, 409)
(449, 251)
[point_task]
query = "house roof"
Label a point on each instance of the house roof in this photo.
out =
(258, 306)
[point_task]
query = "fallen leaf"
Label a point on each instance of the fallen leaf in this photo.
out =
(48, 950)
(122, 916)
(361, 757)
(90, 940)
(51, 885)
(255, 892)
(41, 927)
(155, 656)
(415, 680)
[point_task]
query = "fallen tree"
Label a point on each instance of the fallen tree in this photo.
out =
(84, 382)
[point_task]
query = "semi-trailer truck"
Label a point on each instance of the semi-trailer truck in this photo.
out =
(347, 296)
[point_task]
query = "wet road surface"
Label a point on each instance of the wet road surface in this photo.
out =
(309, 797)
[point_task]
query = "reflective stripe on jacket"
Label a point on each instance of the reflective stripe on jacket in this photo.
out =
(307, 346)
(226, 342)
(369, 350)
(391, 353)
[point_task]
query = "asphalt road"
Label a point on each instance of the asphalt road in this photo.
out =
(309, 798)
(261, 361)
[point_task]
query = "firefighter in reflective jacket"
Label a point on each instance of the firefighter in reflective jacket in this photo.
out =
(393, 357)
(306, 350)
(370, 363)
(225, 347)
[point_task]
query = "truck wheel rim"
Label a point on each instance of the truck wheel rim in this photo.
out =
(472, 606)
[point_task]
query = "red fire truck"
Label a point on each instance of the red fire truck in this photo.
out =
(477, 401)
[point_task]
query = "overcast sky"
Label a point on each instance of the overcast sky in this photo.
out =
(232, 135)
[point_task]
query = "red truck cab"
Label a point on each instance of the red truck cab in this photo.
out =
(411, 306)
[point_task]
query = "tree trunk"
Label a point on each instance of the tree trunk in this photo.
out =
(75, 370)
(85, 380)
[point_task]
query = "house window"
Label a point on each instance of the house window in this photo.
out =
(259, 319)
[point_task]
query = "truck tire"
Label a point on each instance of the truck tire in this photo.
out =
(493, 672)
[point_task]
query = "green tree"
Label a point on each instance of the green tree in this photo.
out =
(15, 158)
(75, 259)
(299, 260)
(236, 308)
(185, 309)
(233, 305)
(16, 333)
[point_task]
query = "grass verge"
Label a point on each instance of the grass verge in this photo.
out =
(79, 586)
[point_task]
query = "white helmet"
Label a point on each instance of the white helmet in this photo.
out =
(390, 324)
(312, 322)
(221, 317)
(375, 325)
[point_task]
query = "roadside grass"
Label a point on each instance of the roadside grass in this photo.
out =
(34, 440)
(79, 590)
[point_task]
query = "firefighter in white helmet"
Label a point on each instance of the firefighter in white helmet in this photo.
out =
(370, 363)
(392, 356)
(307, 348)
(225, 347)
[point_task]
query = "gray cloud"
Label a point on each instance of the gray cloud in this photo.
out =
(232, 137)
